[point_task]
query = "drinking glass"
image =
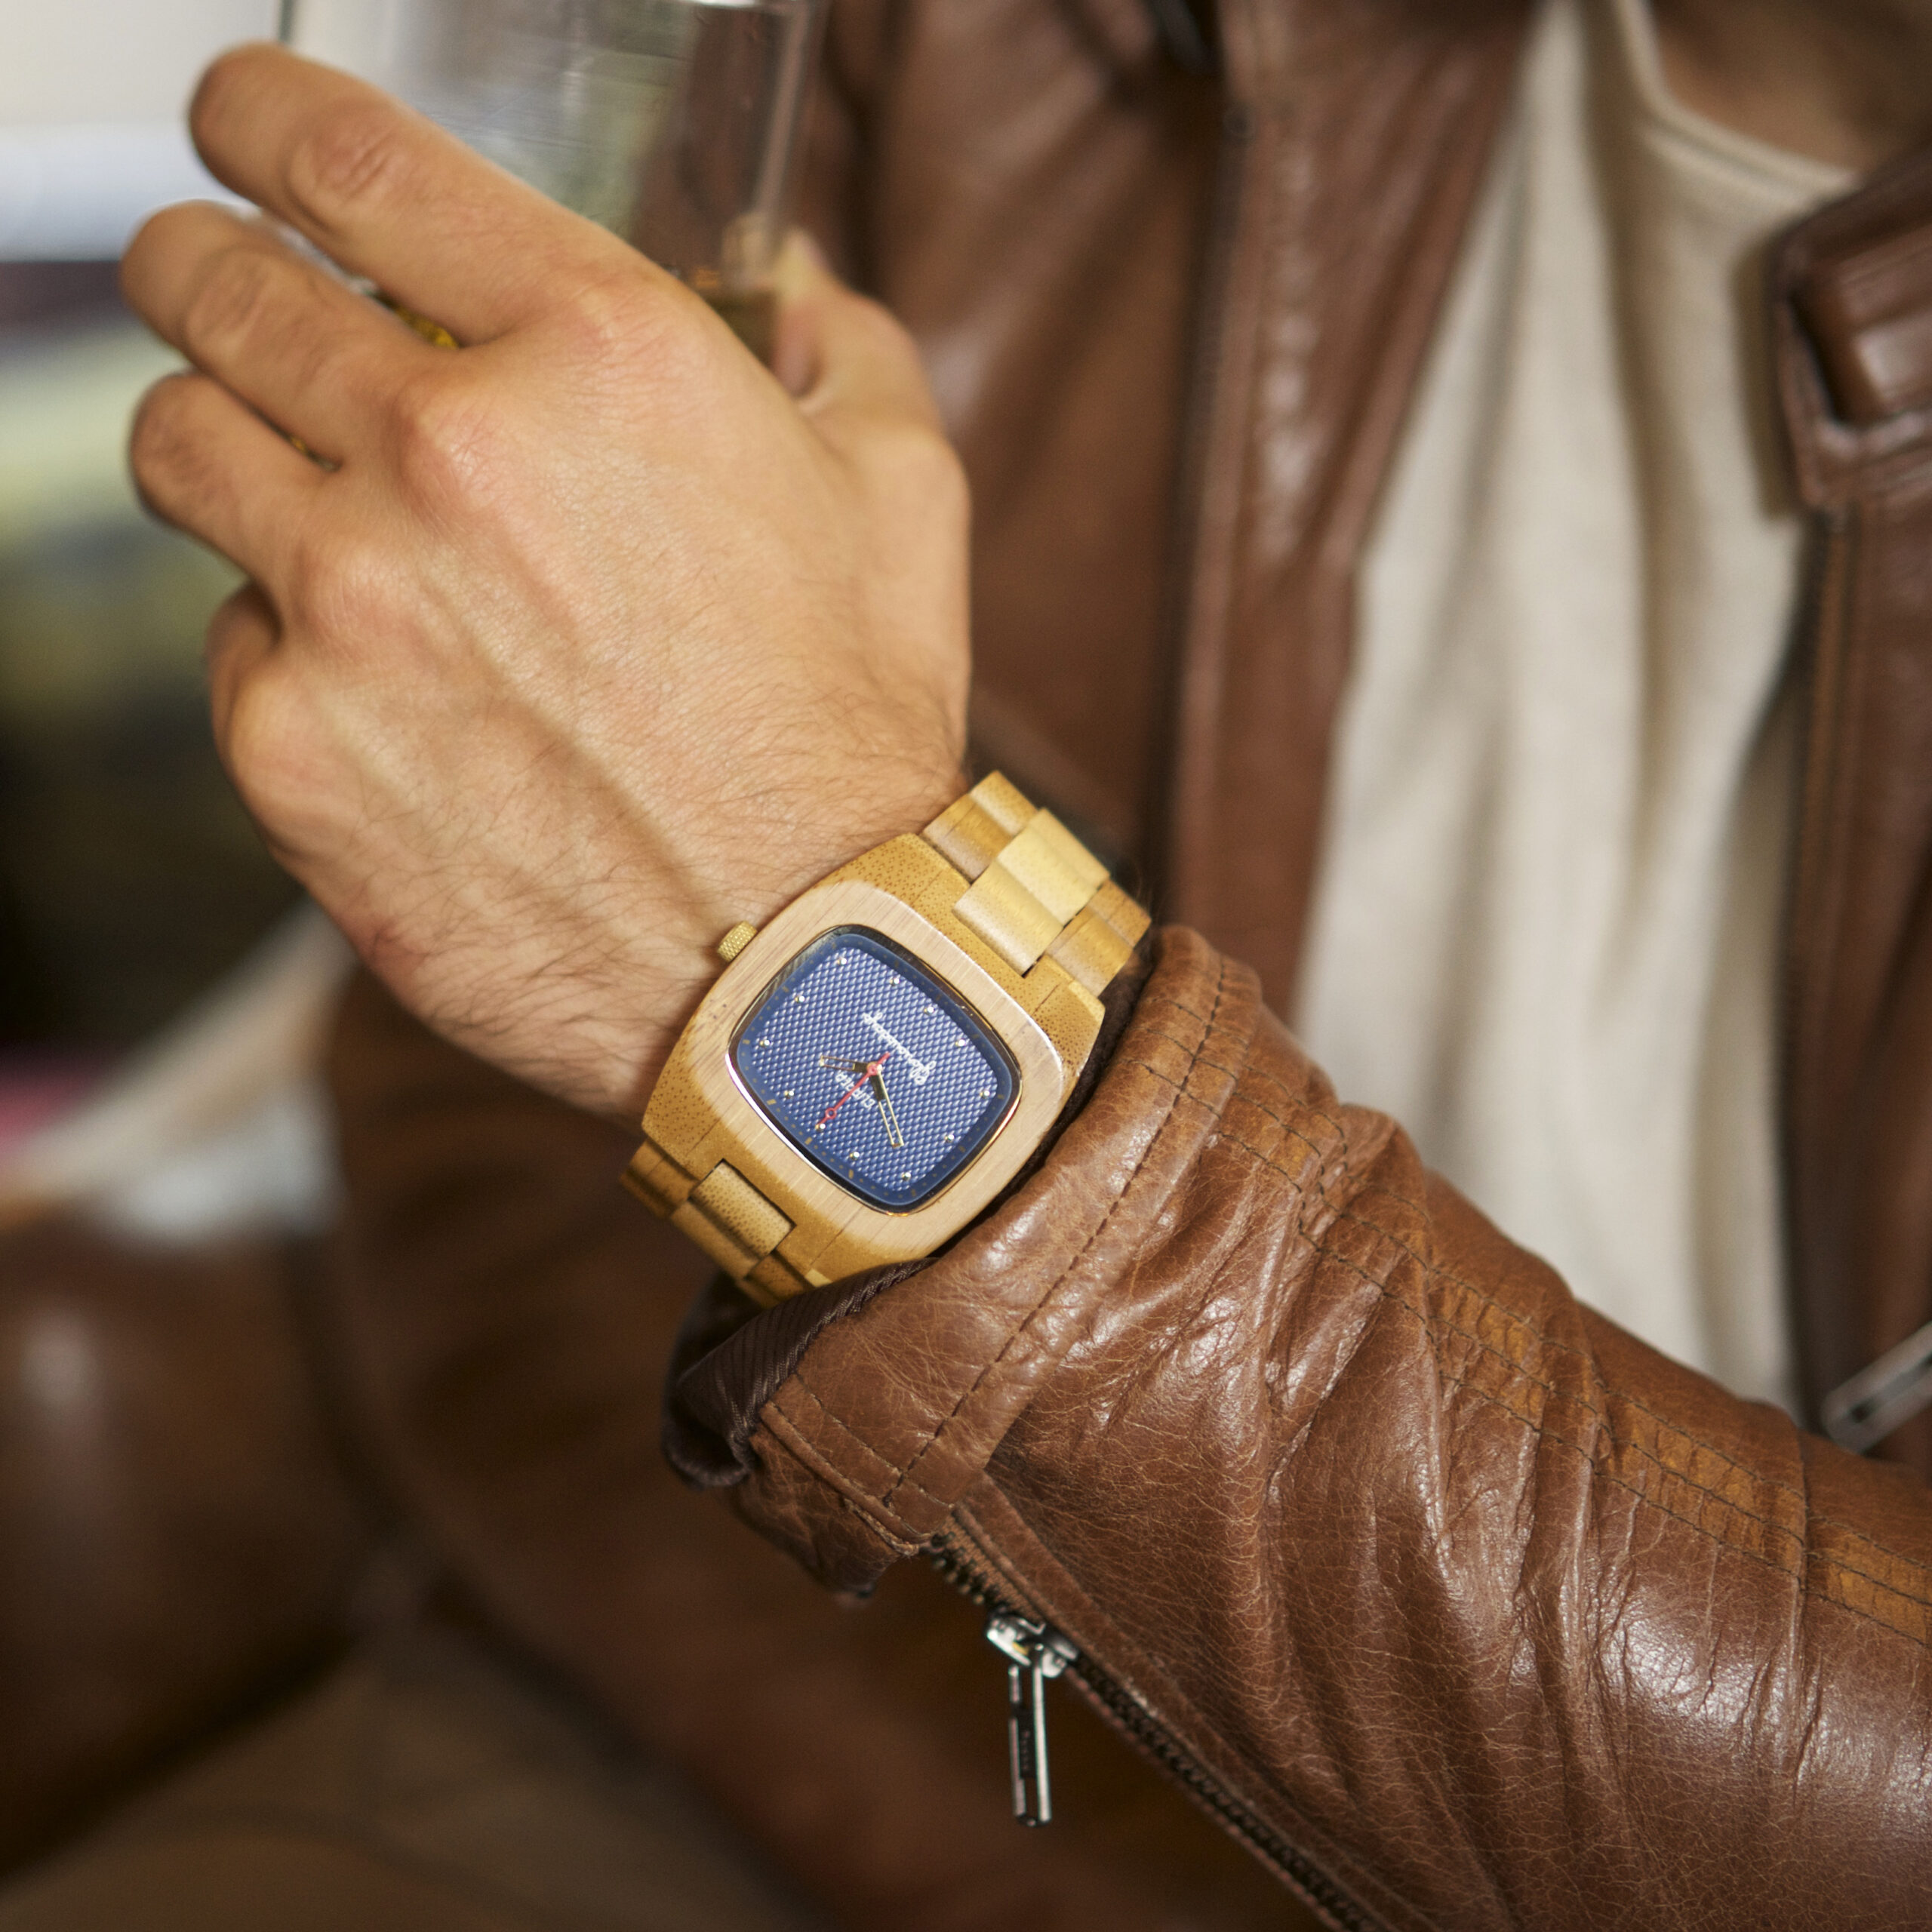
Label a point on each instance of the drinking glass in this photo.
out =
(671, 122)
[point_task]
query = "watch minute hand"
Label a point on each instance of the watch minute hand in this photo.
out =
(887, 1111)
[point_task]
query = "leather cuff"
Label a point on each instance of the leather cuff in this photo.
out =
(731, 1355)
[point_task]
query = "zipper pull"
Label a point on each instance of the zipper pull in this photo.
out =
(1034, 1652)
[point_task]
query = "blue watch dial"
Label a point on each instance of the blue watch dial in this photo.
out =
(873, 1070)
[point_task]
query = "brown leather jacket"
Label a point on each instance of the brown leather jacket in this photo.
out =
(1454, 1604)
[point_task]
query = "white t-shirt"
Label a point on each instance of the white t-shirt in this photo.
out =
(1545, 934)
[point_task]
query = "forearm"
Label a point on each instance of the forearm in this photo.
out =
(1494, 1614)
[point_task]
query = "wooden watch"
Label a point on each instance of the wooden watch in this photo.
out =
(881, 1058)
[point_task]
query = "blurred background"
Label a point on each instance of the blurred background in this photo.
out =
(176, 1541)
(132, 888)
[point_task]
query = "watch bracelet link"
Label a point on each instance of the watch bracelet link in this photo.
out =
(1032, 896)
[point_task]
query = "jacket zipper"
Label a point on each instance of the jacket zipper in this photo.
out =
(1160, 840)
(1826, 704)
(1035, 1651)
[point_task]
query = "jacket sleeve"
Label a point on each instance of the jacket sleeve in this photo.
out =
(499, 1315)
(1462, 1607)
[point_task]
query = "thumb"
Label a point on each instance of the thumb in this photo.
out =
(850, 365)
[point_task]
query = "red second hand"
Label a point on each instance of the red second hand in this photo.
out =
(825, 1118)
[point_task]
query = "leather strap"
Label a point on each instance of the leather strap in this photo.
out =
(1032, 896)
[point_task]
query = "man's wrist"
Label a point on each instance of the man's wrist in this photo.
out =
(752, 902)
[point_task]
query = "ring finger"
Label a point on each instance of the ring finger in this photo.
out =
(207, 464)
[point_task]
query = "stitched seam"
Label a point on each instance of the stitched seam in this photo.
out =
(1181, 1006)
(1809, 1556)
(1315, 1147)
(1438, 1322)
(1555, 1344)
(1621, 1443)
(1295, 1096)
(786, 1433)
(1195, 1057)
(901, 1540)
(1864, 1536)
(1516, 1323)
(906, 1479)
(1254, 1070)
(819, 1408)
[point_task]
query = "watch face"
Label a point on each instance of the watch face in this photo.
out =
(873, 1070)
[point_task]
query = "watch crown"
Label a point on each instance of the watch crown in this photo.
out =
(736, 940)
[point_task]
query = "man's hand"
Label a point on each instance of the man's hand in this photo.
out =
(579, 644)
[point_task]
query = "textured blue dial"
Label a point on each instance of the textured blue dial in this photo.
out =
(873, 1070)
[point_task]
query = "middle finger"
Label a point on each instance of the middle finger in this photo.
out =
(319, 360)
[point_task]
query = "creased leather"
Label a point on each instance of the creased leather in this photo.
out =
(505, 1315)
(1501, 1617)
(730, 1355)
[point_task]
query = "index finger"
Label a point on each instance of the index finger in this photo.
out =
(390, 195)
